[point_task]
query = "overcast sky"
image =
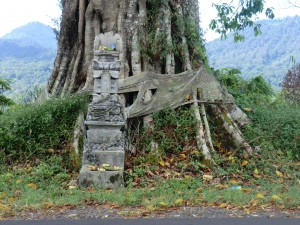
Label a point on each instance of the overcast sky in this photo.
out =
(15, 13)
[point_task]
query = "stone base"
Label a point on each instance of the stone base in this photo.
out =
(113, 158)
(105, 179)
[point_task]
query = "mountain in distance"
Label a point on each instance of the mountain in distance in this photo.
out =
(270, 54)
(26, 57)
(33, 34)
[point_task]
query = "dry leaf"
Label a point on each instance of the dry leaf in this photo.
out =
(207, 177)
(162, 163)
(199, 189)
(279, 174)
(256, 176)
(245, 163)
(234, 181)
(163, 204)
(3, 194)
(182, 156)
(260, 196)
(275, 197)
(221, 186)
(179, 201)
(223, 205)
(32, 185)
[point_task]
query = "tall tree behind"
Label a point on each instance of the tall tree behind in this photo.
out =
(159, 35)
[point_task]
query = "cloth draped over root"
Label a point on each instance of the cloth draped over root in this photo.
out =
(196, 88)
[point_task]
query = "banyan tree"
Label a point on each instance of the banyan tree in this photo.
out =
(161, 47)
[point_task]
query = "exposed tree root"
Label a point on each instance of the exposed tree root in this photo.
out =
(200, 136)
(232, 128)
(78, 132)
(207, 129)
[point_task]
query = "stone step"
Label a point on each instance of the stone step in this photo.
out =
(105, 179)
(113, 158)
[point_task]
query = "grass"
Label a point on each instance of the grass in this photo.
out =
(30, 188)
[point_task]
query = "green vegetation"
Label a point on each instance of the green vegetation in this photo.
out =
(269, 54)
(235, 19)
(45, 186)
(36, 131)
(4, 101)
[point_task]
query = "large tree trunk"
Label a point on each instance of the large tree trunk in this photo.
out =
(156, 36)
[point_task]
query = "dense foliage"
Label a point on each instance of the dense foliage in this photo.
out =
(276, 128)
(235, 18)
(4, 101)
(254, 91)
(29, 131)
(269, 54)
(291, 85)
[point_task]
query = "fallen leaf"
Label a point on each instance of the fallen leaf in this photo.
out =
(48, 205)
(256, 176)
(221, 186)
(163, 204)
(234, 181)
(207, 177)
(150, 208)
(255, 171)
(223, 205)
(3, 194)
(245, 163)
(260, 196)
(199, 189)
(182, 156)
(162, 163)
(32, 185)
(179, 201)
(275, 197)
(246, 190)
(279, 174)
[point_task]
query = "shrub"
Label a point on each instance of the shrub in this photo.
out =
(254, 91)
(33, 130)
(276, 128)
(4, 101)
(172, 130)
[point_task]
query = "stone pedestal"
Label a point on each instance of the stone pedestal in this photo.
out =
(103, 155)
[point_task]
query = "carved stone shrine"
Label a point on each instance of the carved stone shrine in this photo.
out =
(103, 153)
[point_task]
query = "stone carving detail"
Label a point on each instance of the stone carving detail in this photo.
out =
(104, 142)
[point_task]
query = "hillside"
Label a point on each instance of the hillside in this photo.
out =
(27, 58)
(269, 54)
(33, 34)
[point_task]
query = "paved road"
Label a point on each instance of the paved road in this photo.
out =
(240, 221)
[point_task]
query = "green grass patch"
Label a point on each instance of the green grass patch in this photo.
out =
(45, 186)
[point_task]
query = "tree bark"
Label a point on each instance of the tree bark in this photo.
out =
(82, 20)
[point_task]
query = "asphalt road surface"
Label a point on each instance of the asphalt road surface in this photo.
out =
(240, 221)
